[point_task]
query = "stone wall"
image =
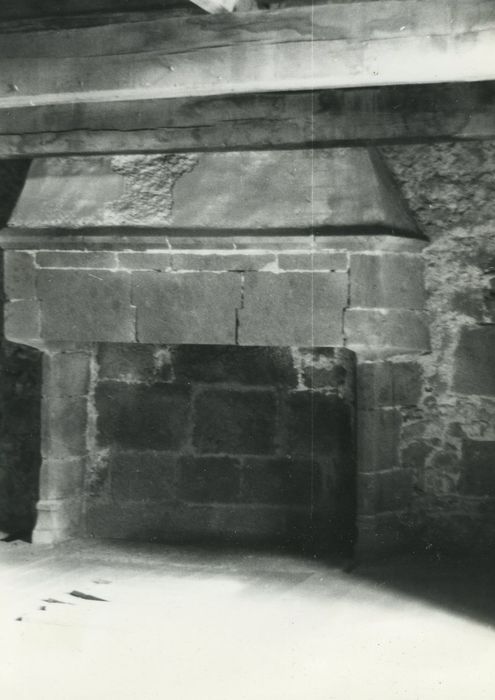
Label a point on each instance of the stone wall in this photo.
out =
(448, 440)
(19, 398)
(241, 444)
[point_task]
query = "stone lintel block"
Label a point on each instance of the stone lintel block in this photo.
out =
(19, 275)
(384, 491)
(237, 262)
(23, 322)
(385, 331)
(60, 478)
(388, 384)
(293, 308)
(311, 260)
(63, 427)
(474, 361)
(86, 306)
(378, 437)
(145, 261)
(195, 307)
(66, 373)
(88, 259)
(387, 281)
(57, 521)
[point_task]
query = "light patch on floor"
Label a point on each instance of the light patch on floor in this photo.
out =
(186, 624)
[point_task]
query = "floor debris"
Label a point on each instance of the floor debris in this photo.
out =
(87, 596)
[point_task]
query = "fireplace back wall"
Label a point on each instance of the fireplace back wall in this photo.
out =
(222, 442)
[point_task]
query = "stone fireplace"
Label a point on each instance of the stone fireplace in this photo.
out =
(229, 344)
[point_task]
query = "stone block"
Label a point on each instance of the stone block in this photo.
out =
(387, 281)
(293, 308)
(478, 468)
(186, 308)
(320, 378)
(383, 535)
(77, 305)
(87, 259)
(63, 427)
(57, 521)
(235, 422)
(187, 522)
(474, 369)
(66, 374)
(145, 261)
(283, 243)
(141, 417)
(378, 437)
(319, 424)
(384, 491)
(313, 261)
(388, 384)
(133, 363)
(382, 330)
(278, 481)
(369, 242)
(233, 364)
(19, 275)
(209, 479)
(23, 322)
(228, 262)
(210, 243)
(407, 383)
(142, 476)
(60, 478)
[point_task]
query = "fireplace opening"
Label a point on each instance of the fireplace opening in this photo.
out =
(239, 445)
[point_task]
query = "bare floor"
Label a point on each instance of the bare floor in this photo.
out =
(188, 623)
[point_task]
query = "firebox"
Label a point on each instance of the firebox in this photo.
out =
(225, 338)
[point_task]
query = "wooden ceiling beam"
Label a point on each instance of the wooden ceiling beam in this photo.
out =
(361, 44)
(393, 114)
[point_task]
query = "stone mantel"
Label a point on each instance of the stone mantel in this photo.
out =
(298, 249)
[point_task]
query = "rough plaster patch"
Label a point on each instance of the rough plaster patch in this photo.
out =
(446, 184)
(162, 357)
(148, 187)
(334, 368)
(97, 473)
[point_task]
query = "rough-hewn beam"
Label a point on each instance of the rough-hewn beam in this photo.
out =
(328, 46)
(261, 121)
(29, 9)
